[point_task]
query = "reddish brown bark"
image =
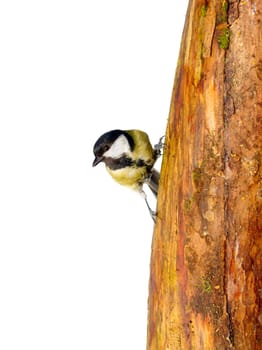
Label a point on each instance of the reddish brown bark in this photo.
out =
(206, 267)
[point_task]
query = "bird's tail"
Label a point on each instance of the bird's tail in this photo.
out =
(153, 181)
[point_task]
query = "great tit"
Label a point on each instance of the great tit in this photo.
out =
(129, 158)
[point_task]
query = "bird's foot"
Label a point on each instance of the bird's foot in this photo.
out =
(159, 146)
(153, 215)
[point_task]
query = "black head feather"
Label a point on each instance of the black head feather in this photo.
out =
(106, 140)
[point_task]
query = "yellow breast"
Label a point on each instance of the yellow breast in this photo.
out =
(129, 176)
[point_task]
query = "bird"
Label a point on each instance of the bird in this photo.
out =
(129, 158)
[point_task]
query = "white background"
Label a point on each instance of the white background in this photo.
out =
(74, 245)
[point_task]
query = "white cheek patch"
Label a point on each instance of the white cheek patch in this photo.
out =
(118, 148)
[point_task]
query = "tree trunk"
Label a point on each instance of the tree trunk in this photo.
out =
(205, 288)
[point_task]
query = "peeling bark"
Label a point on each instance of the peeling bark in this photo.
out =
(206, 264)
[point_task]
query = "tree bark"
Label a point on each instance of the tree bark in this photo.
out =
(205, 289)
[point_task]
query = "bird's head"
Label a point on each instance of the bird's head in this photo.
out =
(113, 144)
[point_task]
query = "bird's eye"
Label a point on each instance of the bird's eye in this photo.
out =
(106, 148)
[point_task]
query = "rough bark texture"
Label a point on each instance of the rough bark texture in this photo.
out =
(205, 287)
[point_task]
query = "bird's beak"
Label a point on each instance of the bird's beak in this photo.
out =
(97, 160)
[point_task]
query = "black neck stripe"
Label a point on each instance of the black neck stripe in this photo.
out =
(123, 162)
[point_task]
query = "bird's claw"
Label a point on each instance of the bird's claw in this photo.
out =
(153, 215)
(159, 146)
